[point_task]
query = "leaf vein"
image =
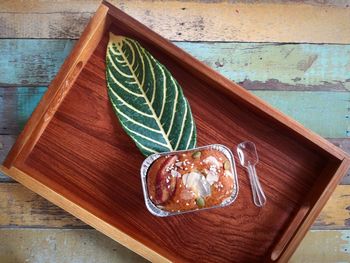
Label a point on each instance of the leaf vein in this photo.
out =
(133, 121)
(128, 105)
(154, 115)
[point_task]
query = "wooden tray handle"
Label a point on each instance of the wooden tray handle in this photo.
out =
(288, 234)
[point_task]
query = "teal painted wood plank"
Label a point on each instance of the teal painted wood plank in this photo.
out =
(269, 66)
(30, 62)
(16, 105)
(325, 112)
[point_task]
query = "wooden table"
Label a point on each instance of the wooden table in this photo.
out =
(265, 47)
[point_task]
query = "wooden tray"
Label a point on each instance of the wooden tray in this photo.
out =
(74, 153)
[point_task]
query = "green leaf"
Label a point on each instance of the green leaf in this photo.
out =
(147, 99)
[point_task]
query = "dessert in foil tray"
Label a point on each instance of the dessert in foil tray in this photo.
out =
(183, 181)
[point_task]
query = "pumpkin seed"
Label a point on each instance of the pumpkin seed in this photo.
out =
(227, 165)
(196, 155)
(200, 202)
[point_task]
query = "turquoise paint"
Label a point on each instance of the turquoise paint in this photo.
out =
(305, 64)
(27, 100)
(326, 113)
(345, 245)
(26, 62)
(16, 106)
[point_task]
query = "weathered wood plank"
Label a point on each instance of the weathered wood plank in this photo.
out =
(76, 246)
(277, 67)
(323, 112)
(24, 208)
(187, 20)
(91, 5)
(326, 113)
(31, 62)
(330, 246)
(343, 143)
(336, 213)
(16, 105)
(53, 245)
(6, 142)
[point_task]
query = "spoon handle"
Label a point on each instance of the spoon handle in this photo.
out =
(259, 197)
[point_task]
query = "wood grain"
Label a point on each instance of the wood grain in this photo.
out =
(29, 62)
(257, 66)
(336, 213)
(62, 246)
(16, 106)
(91, 5)
(275, 66)
(89, 218)
(67, 246)
(302, 107)
(323, 247)
(326, 112)
(62, 82)
(21, 207)
(195, 21)
(321, 191)
(343, 143)
(77, 246)
(78, 123)
(44, 57)
(7, 141)
(309, 168)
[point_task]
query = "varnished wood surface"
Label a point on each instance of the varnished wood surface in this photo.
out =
(323, 112)
(306, 254)
(124, 24)
(71, 139)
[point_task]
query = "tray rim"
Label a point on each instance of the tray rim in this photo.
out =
(229, 87)
(83, 214)
(60, 86)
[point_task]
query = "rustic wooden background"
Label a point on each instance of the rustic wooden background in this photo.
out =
(295, 55)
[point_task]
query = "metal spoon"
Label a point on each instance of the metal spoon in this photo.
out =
(248, 157)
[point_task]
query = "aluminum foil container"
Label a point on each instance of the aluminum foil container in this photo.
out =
(157, 209)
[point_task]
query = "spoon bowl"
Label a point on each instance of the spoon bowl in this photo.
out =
(248, 157)
(247, 154)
